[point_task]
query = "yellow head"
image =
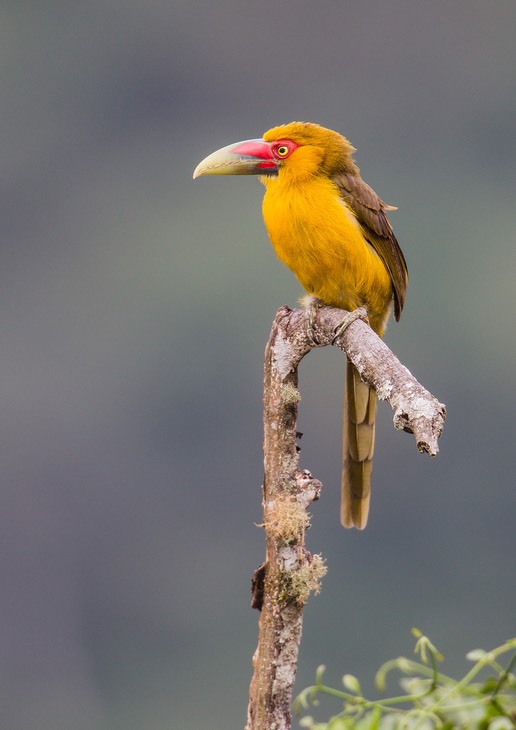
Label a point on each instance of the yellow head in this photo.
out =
(312, 149)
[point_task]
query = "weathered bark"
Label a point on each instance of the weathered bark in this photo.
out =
(281, 586)
(415, 409)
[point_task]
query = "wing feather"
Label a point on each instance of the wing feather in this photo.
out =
(370, 212)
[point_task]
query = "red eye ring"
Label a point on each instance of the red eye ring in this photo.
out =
(283, 148)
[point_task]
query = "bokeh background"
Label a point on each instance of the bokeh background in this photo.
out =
(135, 306)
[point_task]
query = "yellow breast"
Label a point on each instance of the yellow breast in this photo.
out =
(318, 237)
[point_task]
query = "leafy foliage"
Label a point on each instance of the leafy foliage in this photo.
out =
(484, 699)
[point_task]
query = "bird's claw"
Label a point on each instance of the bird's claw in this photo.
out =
(349, 318)
(311, 314)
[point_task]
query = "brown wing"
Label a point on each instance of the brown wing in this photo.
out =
(370, 213)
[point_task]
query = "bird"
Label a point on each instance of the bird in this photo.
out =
(331, 229)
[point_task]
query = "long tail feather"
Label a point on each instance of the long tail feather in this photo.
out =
(358, 448)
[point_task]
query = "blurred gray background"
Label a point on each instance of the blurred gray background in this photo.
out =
(135, 306)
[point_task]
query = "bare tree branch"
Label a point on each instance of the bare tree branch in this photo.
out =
(415, 409)
(281, 586)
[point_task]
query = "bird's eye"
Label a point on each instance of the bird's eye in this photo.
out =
(282, 150)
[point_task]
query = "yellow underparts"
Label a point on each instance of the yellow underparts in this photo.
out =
(318, 237)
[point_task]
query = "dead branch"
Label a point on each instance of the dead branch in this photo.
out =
(281, 586)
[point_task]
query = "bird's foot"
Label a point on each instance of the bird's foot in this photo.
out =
(349, 318)
(311, 305)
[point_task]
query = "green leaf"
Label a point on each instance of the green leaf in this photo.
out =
(501, 723)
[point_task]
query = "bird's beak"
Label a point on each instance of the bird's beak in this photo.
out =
(251, 157)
